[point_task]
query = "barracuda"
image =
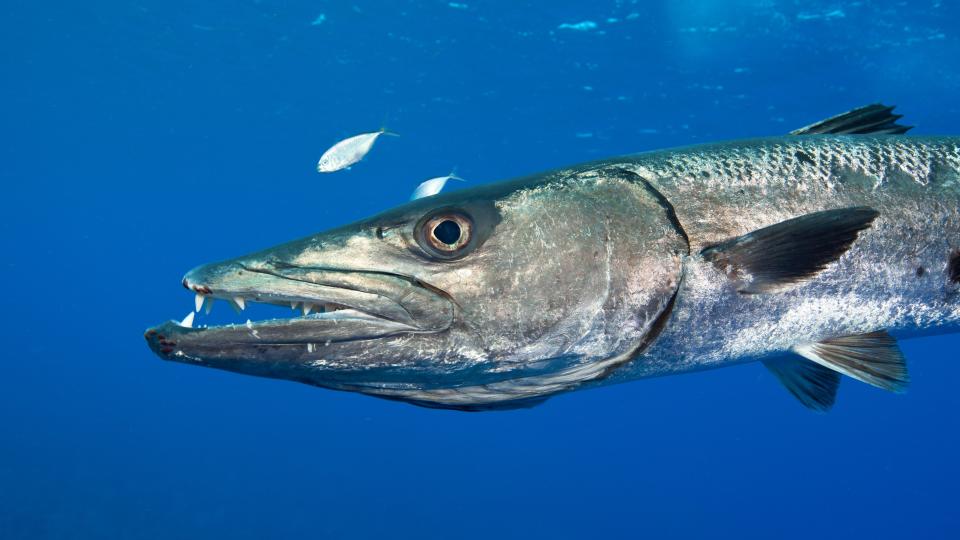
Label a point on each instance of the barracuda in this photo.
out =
(811, 253)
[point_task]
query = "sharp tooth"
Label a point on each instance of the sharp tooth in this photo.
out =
(209, 306)
(234, 305)
(249, 323)
(188, 320)
(307, 308)
(241, 303)
(198, 302)
(293, 305)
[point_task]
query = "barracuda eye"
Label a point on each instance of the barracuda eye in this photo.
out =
(445, 234)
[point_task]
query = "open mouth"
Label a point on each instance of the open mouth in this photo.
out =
(322, 306)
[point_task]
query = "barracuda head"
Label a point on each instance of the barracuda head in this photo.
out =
(490, 297)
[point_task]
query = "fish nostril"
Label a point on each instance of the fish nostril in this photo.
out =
(196, 288)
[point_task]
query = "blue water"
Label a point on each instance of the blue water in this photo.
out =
(140, 139)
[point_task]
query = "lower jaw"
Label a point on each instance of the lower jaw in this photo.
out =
(323, 328)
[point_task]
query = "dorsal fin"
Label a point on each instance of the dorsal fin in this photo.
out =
(815, 386)
(873, 358)
(876, 119)
(769, 259)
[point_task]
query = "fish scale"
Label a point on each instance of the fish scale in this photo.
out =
(876, 284)
(764, 175)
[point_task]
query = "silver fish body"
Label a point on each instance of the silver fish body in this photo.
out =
(894, 277)
(502, 295)
(348, 152)
(432, 186)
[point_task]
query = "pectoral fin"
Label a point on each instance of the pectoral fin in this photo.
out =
(873, 358)
(876, 119)
(814, 385)
(789, 252)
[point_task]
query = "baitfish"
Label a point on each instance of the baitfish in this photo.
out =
(812, 253)
(431, 187)
(348, 151)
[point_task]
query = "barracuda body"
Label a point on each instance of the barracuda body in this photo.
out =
(811, 253)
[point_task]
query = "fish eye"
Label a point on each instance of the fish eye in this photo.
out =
(446, 234)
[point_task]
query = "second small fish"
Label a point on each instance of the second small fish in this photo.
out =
(432, 186)
(348, 151)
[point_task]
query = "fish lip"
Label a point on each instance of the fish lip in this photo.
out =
(321, 300)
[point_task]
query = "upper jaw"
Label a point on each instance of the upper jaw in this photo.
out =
(381, 294)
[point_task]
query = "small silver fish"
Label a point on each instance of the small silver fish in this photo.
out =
(432, 186)
(348, 151)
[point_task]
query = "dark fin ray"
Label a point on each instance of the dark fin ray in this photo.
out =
(815, 386)
(876, 119)
(789, 252)
(873, 358)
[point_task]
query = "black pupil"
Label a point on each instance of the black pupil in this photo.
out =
(447, 232)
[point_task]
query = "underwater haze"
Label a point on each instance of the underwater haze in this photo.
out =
(143, 138)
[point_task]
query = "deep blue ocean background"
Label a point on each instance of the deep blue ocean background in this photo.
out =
(142, 138)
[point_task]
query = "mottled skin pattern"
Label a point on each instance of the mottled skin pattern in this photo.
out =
(592, 275)
(894, 276)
